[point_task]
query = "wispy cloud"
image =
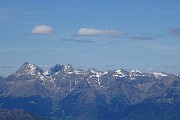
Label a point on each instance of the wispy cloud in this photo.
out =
(17, 49)
(142, 38)
(4, 66)
(32, 49)
(67, 40)
(158, 35)
(174, 31)
(84, 41)
(162, 47)
(94, 32)
(43, 29)
(78, 41)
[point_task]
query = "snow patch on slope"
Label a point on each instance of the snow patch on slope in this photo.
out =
(119, 73)
(160, 74)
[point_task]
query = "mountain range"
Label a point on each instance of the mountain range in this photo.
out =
(66, 93)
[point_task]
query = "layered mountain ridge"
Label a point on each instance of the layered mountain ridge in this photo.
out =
(64, 92)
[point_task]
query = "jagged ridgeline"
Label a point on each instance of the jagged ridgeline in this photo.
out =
(64, 92)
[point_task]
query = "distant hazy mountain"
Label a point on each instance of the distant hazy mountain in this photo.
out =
(64, 92)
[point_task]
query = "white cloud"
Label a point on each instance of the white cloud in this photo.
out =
(93, 32)
(42, 29)
(78, 41)
(141, 38)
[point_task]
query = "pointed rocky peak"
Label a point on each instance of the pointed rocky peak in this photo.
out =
(94, 72)
(54, 70)
(160, 74)
(26, 63)
(28, 69)
(25, 66)
(79, 71)
(135, 73)
(68, 68)
(120, 73)
(59, 68)
(148, 74)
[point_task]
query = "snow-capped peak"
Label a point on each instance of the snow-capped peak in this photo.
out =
(78, 71)
(120, 73)
(160, 74)
(58, 68)
(95, 72)
(29, 69)
(135, 71)
(66, 67)
(32, 68)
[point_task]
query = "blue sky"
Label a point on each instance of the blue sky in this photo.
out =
(104, 34)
